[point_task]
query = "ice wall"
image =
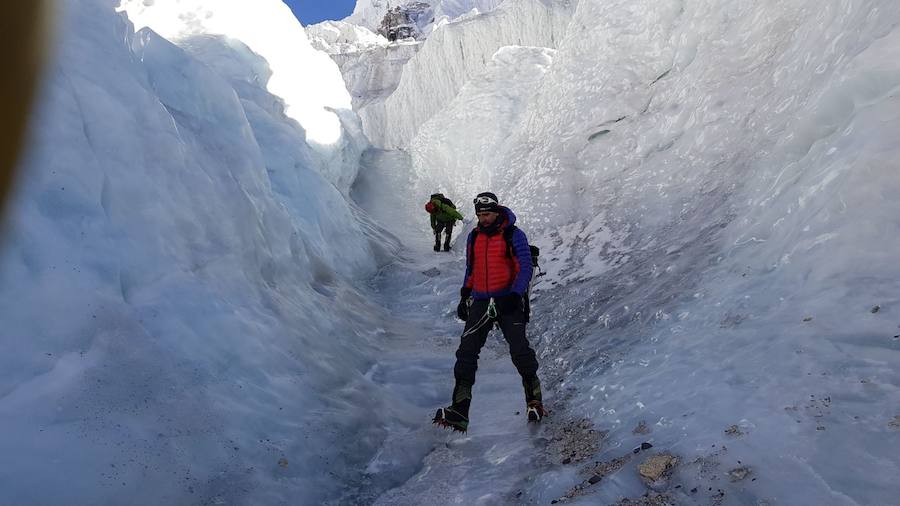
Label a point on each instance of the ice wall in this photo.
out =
(450, 57)
(374, 74)
(452, 9)
(308, 89)
(370, 65)
(714, 188)
(456, 147)
(171, 270)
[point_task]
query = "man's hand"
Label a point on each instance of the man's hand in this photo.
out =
(462, 310)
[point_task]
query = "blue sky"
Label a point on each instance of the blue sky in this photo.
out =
(313, 11)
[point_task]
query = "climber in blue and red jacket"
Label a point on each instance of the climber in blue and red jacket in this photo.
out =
(498, 272)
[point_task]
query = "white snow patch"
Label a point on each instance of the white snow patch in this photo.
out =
(306, 79)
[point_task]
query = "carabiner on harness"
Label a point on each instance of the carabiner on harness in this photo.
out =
(492, 309)
(489, 316)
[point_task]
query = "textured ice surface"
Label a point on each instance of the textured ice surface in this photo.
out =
(452, 56)
(336, 37)
(373, 74)
(171, 270)
(303, 77)
(369, 13)
(713, 185)
(460, 138)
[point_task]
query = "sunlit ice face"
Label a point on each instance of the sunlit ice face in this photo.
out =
(487, 218)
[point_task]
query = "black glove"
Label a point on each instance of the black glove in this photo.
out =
(462, 310)
(510, 303)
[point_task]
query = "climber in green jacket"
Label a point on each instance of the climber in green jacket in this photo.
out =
(443, 216)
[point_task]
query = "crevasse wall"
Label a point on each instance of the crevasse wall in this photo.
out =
(450, 57)
(373, 74)
(281, 41)
(170, 269)
(455, 149)
(370, 65)
(729, 182)
(714, 188)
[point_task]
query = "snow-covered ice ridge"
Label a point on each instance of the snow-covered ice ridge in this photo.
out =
(338, 37)
(370, 65)
(170, 268)
(270, 30)
(370, 13)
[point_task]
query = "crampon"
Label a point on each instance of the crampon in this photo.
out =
(450, 419)
(535, 411)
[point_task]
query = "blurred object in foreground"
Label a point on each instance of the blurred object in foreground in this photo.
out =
(23, 32)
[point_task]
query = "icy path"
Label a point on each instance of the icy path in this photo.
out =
(497, 461)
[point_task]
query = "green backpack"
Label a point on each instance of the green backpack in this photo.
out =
(442, 198)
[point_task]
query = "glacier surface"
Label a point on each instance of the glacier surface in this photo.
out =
(204, 304)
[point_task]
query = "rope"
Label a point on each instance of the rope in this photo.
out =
(486, 318)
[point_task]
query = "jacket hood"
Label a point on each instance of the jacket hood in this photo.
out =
(510, 216)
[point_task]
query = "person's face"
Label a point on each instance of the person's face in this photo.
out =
(487, 218)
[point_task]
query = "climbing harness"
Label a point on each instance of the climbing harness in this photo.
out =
(486, 318)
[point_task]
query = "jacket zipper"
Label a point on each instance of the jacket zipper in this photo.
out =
(486, 249)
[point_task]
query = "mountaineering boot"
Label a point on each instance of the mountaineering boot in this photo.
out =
(446, 246)
(534, 406)
(451, 419)
(456, 416)
(437, 247)
(536, 411)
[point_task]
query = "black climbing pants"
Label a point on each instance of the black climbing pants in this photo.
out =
(512, 324)
(439, 227)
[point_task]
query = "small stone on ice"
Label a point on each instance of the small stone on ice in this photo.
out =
(657, 467)
(734, 430)
(739, 473)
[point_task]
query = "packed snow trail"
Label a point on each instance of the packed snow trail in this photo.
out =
(496, 461)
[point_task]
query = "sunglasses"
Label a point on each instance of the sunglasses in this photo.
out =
(484, 200)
